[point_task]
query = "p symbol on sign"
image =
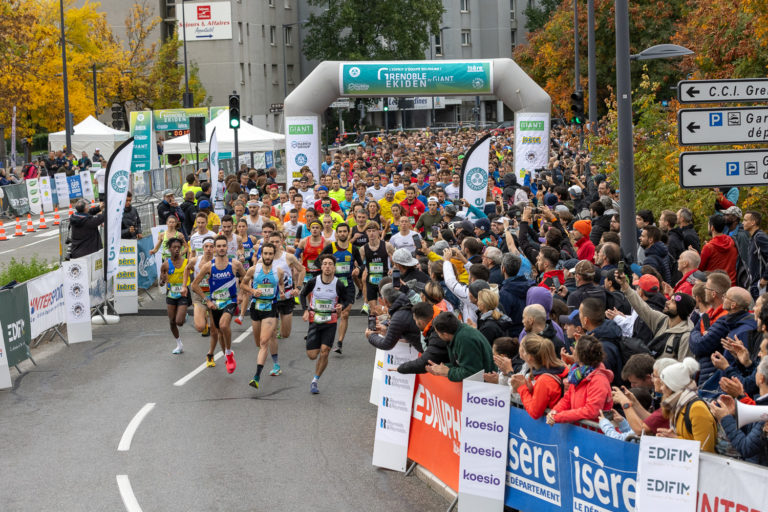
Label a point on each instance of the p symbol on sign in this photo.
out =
(731, 168)
(716, 119)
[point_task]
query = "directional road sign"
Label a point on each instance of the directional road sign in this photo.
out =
(738, 125)
(715, 91)
(724, 168)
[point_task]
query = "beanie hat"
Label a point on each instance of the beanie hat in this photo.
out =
(550, 199)
(677, 376)
(685, 304)
(583, 226)
(476, 286)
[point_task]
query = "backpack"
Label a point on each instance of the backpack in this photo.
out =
(628, 347)
(658, 345)
(559, 381)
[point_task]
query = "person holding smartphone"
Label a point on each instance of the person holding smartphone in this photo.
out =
(405, 238)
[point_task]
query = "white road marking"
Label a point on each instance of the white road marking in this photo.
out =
(130, 430)
(216, 357)
(46, 234)
(126, 492)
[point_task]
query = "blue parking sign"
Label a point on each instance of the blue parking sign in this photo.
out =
(731, 168)
(716, 119)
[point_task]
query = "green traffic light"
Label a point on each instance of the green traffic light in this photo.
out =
(234, 123)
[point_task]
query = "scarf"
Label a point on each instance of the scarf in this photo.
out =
(577, 373)
(676, 403)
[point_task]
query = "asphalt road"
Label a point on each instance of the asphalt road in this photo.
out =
(44, 243)
(213, 443)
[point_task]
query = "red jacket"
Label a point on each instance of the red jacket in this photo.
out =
(685, 285)
(546, 393)
(585, 249)
(585, 400)
(414, 209)
(720, 253)
(546, 278)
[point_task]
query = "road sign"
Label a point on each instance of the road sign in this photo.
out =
(746, 168)
(715, 91)
(737, 125)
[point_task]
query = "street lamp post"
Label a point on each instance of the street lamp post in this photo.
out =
(591, 66)
(67, 120)
(624, 100)
(187, 99)
(442, 45)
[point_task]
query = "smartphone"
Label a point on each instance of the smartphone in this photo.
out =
(372, 322)
(556, 283)
(396, 279)
(608, 415)
(417, 241)
(621, 267)
(435, 232)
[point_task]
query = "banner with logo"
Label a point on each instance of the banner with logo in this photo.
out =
(213, 156)
(62, 189)
(5, 371)
(144, 147)
(46, 302)
(97, 287)
(17, 199)
(46, 194)
(34, 196)
(86, 182)
(215, 111)
(205, 21)
(436, 427)
(177, 118)
(417, 78)
(667, 474)
(378, 370)
(76, 299)
(116, 182)
(726, 484)
(302, 145)
(126, 281)
(567, 467)
(390, 446)
(531, 142)
(474, 173)
(146, 270)
(483, 440)
(74, 186)
(158, 256)
(14, 318)
(269, 160)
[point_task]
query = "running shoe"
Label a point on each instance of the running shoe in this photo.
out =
(209, 362)
(275, 370)
(238, 320)
(313, 388)
(366, 308)
(231, 363)
(338, 347)
(177, 351)
(206, 332)
(254, 382)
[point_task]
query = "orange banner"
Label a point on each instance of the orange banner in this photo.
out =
(435, 427)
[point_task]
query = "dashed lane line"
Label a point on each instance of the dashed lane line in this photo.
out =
(130, 430)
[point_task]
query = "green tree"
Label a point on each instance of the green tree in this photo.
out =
(372, 29)
(537, 14)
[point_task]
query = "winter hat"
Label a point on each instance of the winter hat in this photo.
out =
(539, 295)
(483, 224)
(685, 304)
(583, 226)
(476, 286)
(550, 199)
(677, 376)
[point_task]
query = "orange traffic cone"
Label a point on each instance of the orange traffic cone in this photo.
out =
(56, 218)
(42, 221)
(70, 211)
(30, 224)
(18, 228)
(2, 233)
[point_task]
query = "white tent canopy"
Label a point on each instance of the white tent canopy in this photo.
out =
(90, 134)
(249, 138)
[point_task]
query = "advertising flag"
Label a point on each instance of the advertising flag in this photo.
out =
(116, 180)
(213, 156)
(474, 173)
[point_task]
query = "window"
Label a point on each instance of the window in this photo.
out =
(271, 3)
(287, 4)
(242, 73)
(289, 73)
(272, 35)
(275, 79)
(466, 38)
(288, 36)
(514, 39)
(249, 69)
(464, 5)
(438, 45)
(512, 16)
(239, 32)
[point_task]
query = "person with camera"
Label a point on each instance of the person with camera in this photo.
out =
(84, 229)
(468, 350)
(401, 320)
(435, 349)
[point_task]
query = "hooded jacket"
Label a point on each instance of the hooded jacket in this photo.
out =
(548, 389)
(727, 326)
(720, 253)
(542, 297)
(586, 399)
(436, 350)
(401, 325)
(512, 295)
(685, 285)
(84, 234)
(657, 256)
(493, 329)
(609, 333)
(658, 323)
(600, 225)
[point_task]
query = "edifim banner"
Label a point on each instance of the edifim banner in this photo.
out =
(301, 146)
(474, 173)
(531, 142)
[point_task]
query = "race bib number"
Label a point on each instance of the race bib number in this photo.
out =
(343, 267)
(312, 265)
(324, 311)
(376, 272)
(221, 297)
(174, 290)
(263, 305)
(267, 290)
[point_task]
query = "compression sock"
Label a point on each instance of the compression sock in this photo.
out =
(274, 358)
(259, 368)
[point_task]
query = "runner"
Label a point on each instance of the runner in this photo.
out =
(164, 237)
(326, 290)
(234, 247)
(375, 255)
(359, 238)
(310, 248)
(294, 230)
(245, 256)
(201, 311)
(253, 219)
(328, 233)
(264, 283)
(348, 265)
(223, 288)
(172, 273)
(201, 233)
(293, 272)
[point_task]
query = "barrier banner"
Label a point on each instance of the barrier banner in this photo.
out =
(146, 269)
(730, 485)
(62, 189)
(86, 184)
(17, 199)
(5, 371)
(531, 142)
(34, 196)
(667, 474)
(378, 370)
(97, 287)
(126, 288)
(76, 298)
(46, 302)
(483, 439)
(390, 446)
(14, 317)
(436, 427)
(566, 467)
(46, 193)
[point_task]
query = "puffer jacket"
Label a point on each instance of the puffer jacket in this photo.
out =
(609, 333)
(547, 390)
(703, 345)
(512, 296)
(401, 325)
(657, 256)
(586, 399)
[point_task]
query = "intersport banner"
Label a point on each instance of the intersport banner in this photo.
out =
(116, 181)
(531, 142)
(435, 427)
(301, 146)
(726, 484)
(46, 302)
(474, 173)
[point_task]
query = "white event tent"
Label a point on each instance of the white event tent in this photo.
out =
(90, 133)
(249, 139)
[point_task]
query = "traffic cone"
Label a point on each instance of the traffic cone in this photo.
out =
(42, 221)
(2, 233)
(70, 211)
(30, 225)
(18, 228)
(56, 218)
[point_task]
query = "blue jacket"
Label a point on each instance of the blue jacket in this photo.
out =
(609, 333)
(704, 345)
(512, 301)
(657, 256)
(748, 441)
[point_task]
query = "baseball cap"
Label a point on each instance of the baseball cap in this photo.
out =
(648, 283)
(483, 224)
(167, 192)
(572, 319)
(204, 204)
(253, 192)
(575, 190)
(322, 187)
(585, 268)
(432, 199)
(733, 210)
(467, 227)
(403, 257)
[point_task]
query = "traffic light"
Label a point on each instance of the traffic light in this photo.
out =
(577, 107)
(234, 111)
(386, 104)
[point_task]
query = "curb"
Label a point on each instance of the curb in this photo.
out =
(435, 484)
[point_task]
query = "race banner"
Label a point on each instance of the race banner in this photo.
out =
(126, 288)
(667, 474)
(14, 318)
(213, 156)
(5, 371)
(46, 193)
(97, 286)
(483, 439)
(436, 427)
(416, 78)
(729, 484)
(74, 186)
(46, 302)
(146, 270)
(531, 142)
(116, 182)
(17, 199)
(301, 146)
(86, 182)
(62, 189)
(378, 370)
(144, 147)
(34, 196)
(390, 446)
(269, 160)
(474, 173)
(76, 300)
